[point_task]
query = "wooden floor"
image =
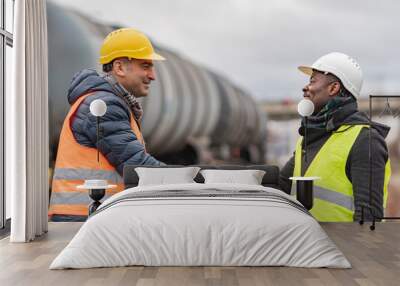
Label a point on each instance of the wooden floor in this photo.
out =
(375, 256)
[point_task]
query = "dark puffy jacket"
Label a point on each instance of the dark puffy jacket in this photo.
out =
(118, 143)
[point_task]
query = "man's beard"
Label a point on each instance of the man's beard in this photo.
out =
(137, 92)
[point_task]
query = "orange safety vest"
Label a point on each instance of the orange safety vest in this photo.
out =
(76, 163)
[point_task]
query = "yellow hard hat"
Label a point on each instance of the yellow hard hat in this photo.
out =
(127, 42)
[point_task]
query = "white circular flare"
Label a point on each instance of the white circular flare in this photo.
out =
(98, 107)
(305, 107)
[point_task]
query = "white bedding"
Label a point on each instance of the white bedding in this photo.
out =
(189, 230)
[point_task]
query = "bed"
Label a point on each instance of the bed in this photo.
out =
(201, 224)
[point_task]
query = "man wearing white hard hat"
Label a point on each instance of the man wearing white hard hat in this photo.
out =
(338, 144)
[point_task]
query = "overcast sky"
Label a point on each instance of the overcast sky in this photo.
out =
(259, 44)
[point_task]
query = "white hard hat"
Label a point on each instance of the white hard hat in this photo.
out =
(343, 67)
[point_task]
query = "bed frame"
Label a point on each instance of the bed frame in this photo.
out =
(131, 178)
(270, 179)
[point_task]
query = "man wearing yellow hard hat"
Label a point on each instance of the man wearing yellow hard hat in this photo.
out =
(127, 58)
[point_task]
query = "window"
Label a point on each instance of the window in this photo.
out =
(6, 43)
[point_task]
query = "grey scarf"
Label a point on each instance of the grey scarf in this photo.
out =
(129, 98)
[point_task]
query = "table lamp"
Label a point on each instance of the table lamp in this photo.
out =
(97, 188)
(304, 185)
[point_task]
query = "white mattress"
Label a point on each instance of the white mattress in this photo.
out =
(190, 230)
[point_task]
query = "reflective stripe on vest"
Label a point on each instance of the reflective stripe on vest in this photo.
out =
(334, 200)
(74, 198)
(76, 163)
(86, 174)
(340, 199)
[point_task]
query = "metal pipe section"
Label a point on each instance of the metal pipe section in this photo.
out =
(187, 102)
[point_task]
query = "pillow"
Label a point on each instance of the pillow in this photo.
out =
(248, 177)
(162, 176)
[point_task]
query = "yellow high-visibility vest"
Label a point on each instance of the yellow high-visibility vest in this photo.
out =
(333, 193)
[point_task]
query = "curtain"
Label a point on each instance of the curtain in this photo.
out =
(27, 154)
